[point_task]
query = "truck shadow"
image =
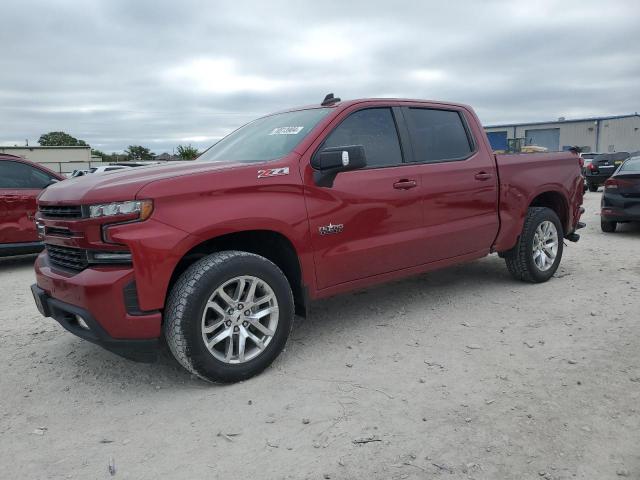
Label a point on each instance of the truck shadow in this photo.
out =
(387, 301)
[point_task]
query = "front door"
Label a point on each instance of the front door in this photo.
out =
(370, 221)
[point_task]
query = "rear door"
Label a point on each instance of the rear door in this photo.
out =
(459, 182)
(370, 221)
(20, 185)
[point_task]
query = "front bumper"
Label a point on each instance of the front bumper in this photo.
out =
(89, 329)
(98, 296)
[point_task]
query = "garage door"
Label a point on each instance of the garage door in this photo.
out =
(498, 140)
(544, 137)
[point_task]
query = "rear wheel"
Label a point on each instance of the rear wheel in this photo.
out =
(228, 316)
(593, 187)
(536, 256)
(608, 227)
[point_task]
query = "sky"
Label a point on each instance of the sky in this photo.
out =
(156, 73)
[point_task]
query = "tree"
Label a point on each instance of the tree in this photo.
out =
(98, 153)
(60, 139)
(187, 152)
(138, 152)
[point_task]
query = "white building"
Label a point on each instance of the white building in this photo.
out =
(59, 159)
(619, 133)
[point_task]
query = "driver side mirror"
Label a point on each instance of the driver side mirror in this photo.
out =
(328, 162)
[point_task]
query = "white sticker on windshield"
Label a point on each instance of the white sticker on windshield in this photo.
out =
(286, 131)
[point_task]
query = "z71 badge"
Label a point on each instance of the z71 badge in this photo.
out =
(273, 172)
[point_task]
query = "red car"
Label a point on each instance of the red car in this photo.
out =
(218, 254)
(21, 181)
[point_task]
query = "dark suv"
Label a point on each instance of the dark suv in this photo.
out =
(602, 167)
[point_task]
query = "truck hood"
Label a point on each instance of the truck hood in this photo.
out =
(122, 184)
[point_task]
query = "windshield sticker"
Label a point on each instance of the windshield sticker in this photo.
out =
(286, 131)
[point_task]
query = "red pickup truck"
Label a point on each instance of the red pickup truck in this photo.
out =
(217, 255)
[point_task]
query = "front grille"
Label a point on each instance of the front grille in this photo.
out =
(60, 211)
(67, 257)
(61, 232)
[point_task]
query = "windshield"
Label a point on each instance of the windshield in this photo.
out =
(266, 138)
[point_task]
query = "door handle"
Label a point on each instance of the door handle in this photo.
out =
(482, 176)
(405, 184)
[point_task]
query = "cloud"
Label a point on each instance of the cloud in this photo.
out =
(116, 72)
(220, 76)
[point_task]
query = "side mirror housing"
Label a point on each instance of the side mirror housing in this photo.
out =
(328, 162)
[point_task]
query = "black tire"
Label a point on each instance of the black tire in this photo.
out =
(593, 187)
(186, 304)
(519, 259)
(608, 227)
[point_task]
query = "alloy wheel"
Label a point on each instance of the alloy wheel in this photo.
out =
(240, 319)
(545, 245)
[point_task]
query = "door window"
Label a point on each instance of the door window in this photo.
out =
(21, 175)
(437, 135)
(374, 129)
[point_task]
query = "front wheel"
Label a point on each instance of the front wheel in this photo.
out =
(593, 187)
(228, 316)
(536, 256)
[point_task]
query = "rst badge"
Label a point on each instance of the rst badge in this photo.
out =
(273, 172)
(331, 229)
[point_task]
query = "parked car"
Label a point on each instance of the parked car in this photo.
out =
(587, 158)
(217, 254)
(602, 167)
(107, 168)
(621, 197)
(21, 181)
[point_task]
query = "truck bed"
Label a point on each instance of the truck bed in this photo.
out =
(547, 172)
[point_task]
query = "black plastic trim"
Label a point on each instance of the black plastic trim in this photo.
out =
(131, 303)
(23, 248)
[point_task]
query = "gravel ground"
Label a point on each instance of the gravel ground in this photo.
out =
(462, 373)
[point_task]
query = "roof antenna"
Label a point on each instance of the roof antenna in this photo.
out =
(329, 100)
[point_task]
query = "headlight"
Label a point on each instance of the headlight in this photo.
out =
(141, 208)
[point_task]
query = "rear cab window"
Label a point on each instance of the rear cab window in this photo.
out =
(438, 135)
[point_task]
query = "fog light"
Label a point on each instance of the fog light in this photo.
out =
(81, 322)
(110, 257)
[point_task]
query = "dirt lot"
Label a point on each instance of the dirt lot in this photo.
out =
(462, 373)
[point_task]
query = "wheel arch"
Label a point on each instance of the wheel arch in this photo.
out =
(269, 244)
(555, 201)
